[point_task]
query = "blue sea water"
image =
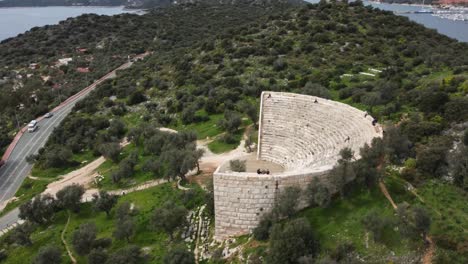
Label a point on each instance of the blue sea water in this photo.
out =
(16, 20)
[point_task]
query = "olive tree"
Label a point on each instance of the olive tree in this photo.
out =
(318, 194)
(291, 242)
(84, 237)
(104, 201)
(39, 210)
(179, 255)
(169, 217)
(48, 255)
(286, 202)
(70, 197)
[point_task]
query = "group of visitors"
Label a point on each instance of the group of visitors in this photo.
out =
(315, 101)
(259, 171)
(374, 120)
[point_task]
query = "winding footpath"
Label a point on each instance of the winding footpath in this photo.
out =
(385, 192)
(64, 241)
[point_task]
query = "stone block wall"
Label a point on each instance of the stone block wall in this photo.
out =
(242, 198)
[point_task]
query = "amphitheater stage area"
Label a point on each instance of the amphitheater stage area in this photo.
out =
(299, 140)
(253, 164)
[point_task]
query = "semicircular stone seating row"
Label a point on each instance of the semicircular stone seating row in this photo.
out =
(298, 133)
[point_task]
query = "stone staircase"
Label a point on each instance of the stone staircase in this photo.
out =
(299, 133)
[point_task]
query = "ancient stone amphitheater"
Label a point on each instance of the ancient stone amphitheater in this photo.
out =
(299, 137)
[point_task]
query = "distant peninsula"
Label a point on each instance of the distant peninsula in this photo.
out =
(126, 3)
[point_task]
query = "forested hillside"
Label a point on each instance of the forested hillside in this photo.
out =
(205, 75)
(100, 43)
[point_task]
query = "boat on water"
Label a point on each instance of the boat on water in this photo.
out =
(424, 11)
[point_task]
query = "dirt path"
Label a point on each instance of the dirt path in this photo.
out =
(88, 195)
(211, 161)
(429, 254)
(64, 241)
(385, 192)
(82, 176)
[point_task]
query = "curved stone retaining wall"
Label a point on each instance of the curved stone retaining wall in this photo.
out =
(242, 198)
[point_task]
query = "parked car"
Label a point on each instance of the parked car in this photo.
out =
(48, 115)
(2, 162)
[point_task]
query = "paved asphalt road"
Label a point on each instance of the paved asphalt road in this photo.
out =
(16, 169)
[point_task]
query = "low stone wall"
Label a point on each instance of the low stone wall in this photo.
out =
(242, 198)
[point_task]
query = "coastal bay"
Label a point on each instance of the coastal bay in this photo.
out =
(17, 20)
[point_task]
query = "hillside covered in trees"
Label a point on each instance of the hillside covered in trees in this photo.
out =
(32, 79)
(205, 75)
(138, 4)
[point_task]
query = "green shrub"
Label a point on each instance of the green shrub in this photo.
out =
(237, 165)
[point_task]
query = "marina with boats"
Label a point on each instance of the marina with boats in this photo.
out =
(452, 13)
(448, 19)
(444, 11)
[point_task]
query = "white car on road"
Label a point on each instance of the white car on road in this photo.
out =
(32, 126)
